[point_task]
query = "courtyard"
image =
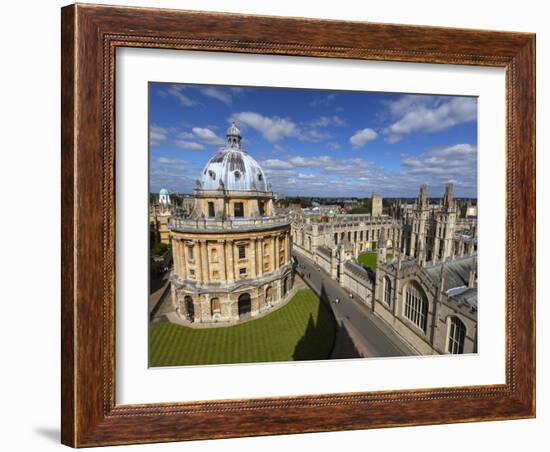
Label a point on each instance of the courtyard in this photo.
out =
(303, 329)
(369, 259)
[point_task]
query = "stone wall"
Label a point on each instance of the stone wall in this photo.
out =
(441, 309)
(355, 279)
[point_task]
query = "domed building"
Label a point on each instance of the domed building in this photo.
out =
(164, 197)
(232, 256)
(159, 217)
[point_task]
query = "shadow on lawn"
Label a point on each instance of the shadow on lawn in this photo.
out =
(324, 329)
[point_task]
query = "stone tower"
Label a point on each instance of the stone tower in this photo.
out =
(421, 215)
(445, 222)
(376, 205)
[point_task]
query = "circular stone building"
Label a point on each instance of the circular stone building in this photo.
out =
(232, 255)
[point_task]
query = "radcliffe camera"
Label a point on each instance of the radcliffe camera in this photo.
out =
(299, 225)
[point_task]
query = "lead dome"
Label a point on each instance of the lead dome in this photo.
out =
(233, 169)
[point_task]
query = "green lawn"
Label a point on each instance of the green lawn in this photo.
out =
(303, 329)
(369, 259)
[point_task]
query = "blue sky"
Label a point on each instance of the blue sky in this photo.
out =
(317, 142)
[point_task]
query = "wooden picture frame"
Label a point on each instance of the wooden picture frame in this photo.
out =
(90, 36)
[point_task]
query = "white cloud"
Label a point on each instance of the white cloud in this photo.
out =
(456, 163)
(177, 92)
(157, 135)
(185, 135)
(207, 136)
(323, 100)
(275, 164)
(218, 94)
(191, 145)
(169, 161)
(333, 146)
(328, 176)
(272, 128)
(314, 135)
(275, 128)
(428, 114)
(362, 137)
(326, 121)
(202, 134)
(405, 103)
(327, 164)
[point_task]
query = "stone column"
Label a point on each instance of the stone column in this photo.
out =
(286, 242)
(230, 270)
(255, 302)
(223, 260)
(175, 255)
(204, 260)
(235, 261)
(272, 242)
(412, 252)
(184, 257)
(260, 257)
(396, 303)
(435, 249)
(181, 259)
(289, 243)
(252, 259)
(197, 306)
(276, 253)
(197, 260)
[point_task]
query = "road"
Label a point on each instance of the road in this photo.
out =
(370, 334)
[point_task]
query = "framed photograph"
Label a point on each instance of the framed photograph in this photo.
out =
(282, 225)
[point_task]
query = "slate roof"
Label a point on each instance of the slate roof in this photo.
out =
(358, 270)
(456, 273)
(324, 250)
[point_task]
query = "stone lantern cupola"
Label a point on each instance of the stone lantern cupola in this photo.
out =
(233, 136)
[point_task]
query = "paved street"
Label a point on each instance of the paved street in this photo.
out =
(370, 334)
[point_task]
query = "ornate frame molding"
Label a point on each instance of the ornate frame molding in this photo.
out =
(90, 36)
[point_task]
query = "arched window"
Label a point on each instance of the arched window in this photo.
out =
(416, 305)
(387, 290)
(285, 286)
(268, 294)
(189, 308)
(215, 307)
(455, 337)
(244, 305)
